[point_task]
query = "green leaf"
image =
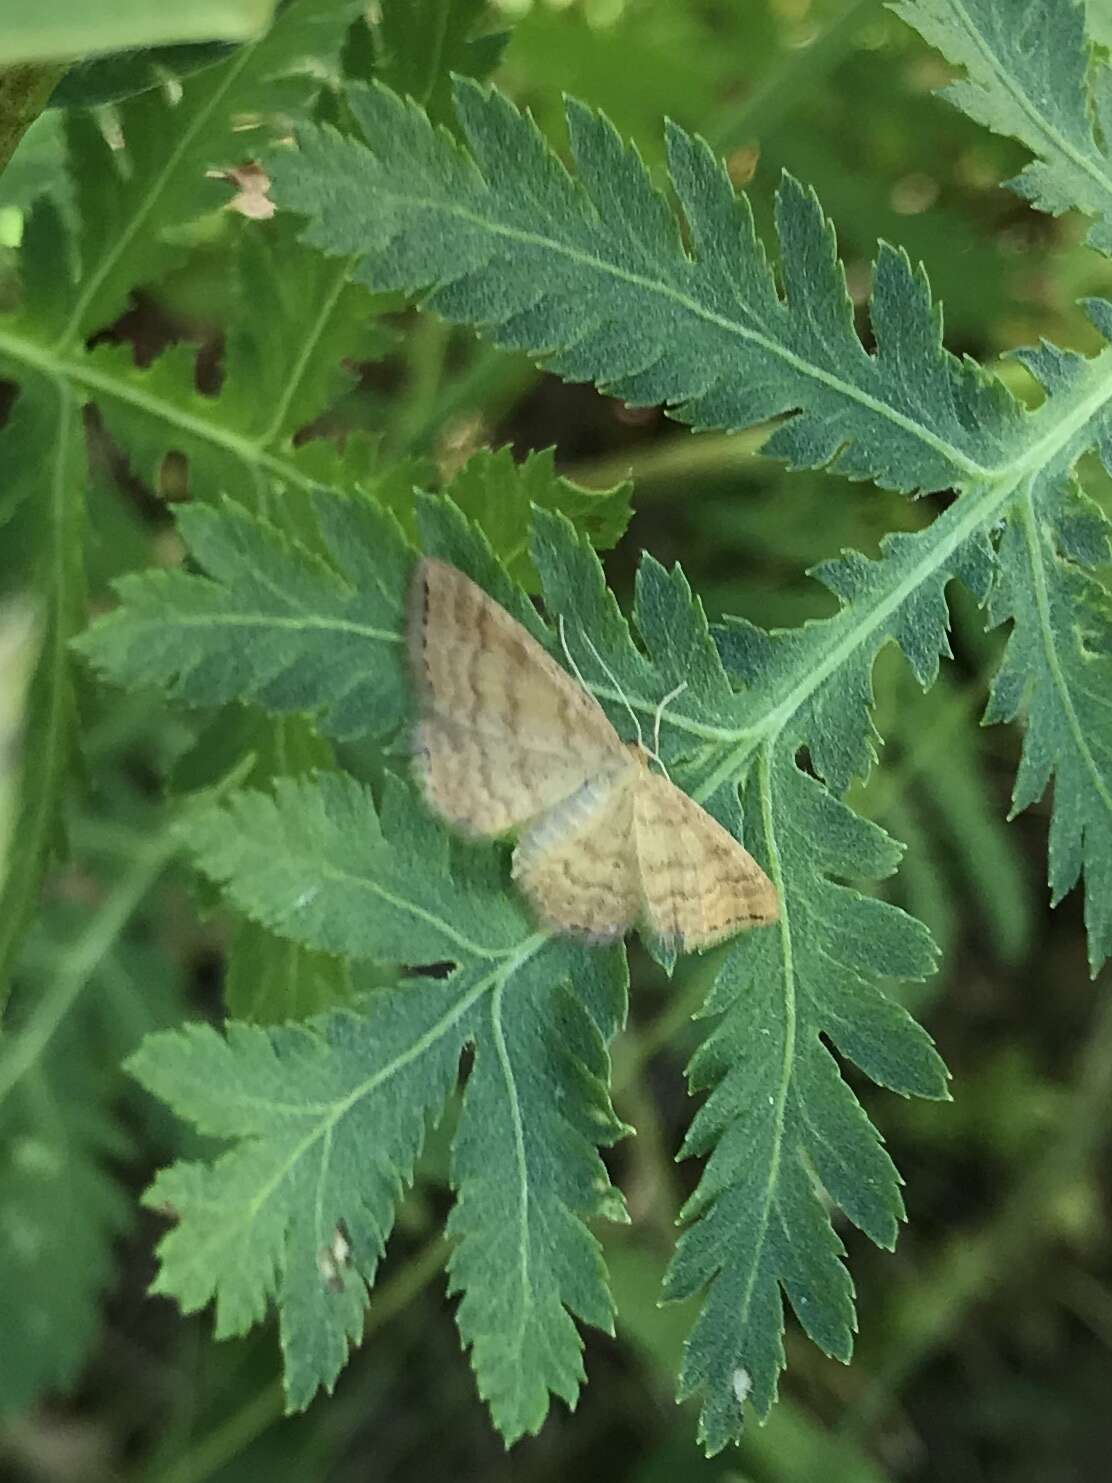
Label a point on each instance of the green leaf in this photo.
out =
(498, 494)
(425, 42)
(1057, 672)
(592, 276)
(70, 28)
(329, 1118)
(72, 286)
(780, 1124)
(93, 81)
(297, 324)
(276, 624)
(311, 865)
(271, 623)
(1029, 81)
(169, 149)
(85, 994)
(536, 1104)
(127, 199)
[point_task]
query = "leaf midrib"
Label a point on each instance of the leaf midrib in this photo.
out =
(336, 1111)
(250, 451)
(234, 67)
(1050, 652)
(808, 370)
(787, 1061)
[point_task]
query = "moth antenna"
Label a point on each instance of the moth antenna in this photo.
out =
(655, 752)
(610, 675)
(680, 688)
(567, 652)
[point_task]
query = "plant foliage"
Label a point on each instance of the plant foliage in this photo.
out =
(75, 282)
(87, 991)
(297, 322)
(293, 605)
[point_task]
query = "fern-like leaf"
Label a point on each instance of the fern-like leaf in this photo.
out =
(73, 284)
(266, 604)
(591, 274)
(312, 867)
(1026, 76)
(329, 1117)
(1057, 673)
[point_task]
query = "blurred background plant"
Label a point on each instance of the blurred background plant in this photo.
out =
(984, 1349)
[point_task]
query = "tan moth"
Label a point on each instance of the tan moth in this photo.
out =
(508, 740)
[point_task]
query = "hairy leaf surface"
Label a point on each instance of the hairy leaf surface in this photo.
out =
(591, 273)
(1027, 76)
(594, 273)
(311, 865)
(329, 1117)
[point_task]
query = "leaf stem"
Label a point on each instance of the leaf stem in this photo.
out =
(797, 77)
(49, 714)
(21, 1051)
(427, 350)
(490, 385)
(82, 371)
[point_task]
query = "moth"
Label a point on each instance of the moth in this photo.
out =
(508, 741)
